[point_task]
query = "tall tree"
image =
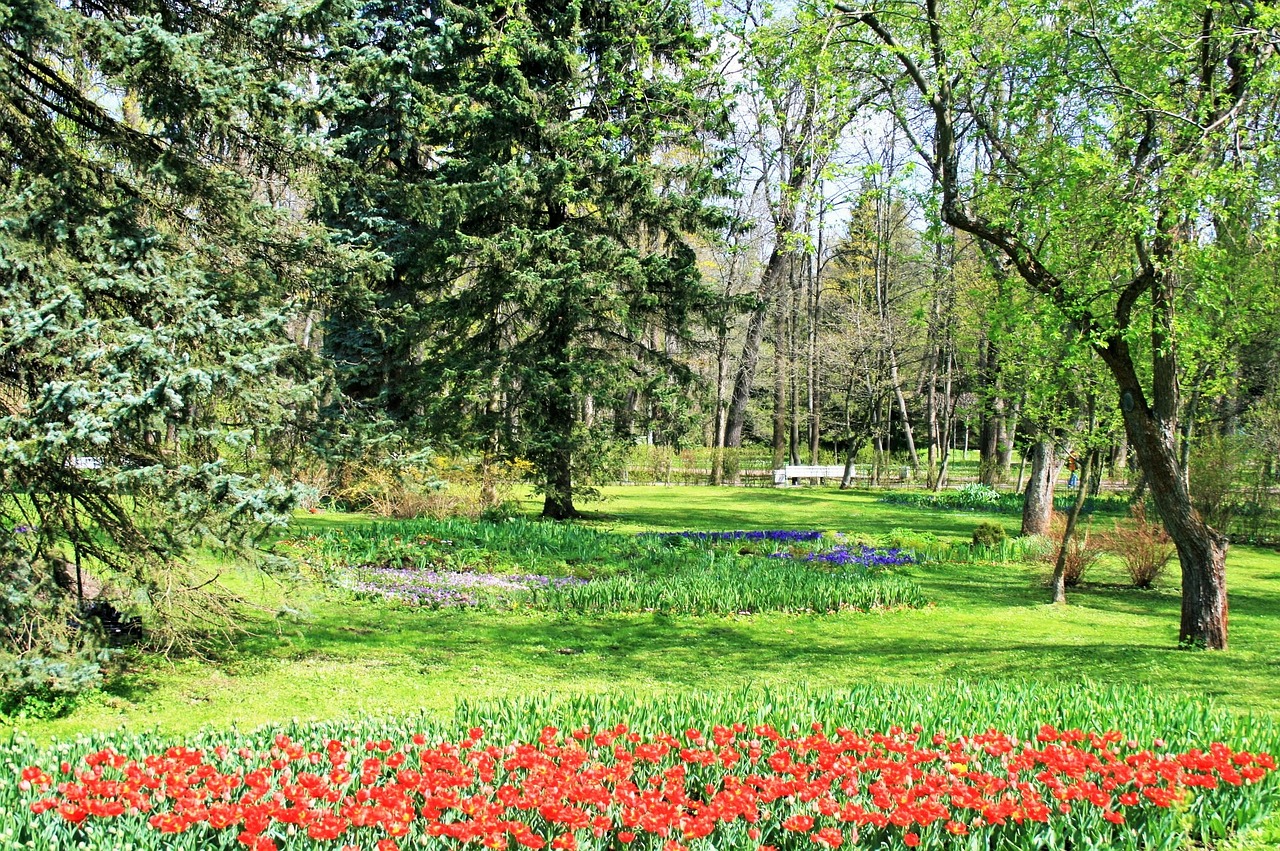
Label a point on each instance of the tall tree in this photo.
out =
(530, 171)
(144, 278)
(1126, 130)
(797, 109)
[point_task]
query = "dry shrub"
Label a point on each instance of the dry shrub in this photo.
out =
(444, 487)
(1143, 546)
(1082, 552)
(401, 494)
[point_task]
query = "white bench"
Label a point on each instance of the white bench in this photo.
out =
(808, 471)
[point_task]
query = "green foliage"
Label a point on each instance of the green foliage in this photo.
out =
(975, 497)
(531, 177)
(988, 534)
(628, 573)
(516, 545)
(1216, 472)
(145, 369)
(726, 587)
(967, 497)
(46, 686)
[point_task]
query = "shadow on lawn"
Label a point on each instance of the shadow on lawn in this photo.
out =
(734, 655)
(853, 511)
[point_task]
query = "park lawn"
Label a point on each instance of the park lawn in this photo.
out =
(310, 654)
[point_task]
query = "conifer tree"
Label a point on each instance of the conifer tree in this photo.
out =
(530, 171)
(147, 250)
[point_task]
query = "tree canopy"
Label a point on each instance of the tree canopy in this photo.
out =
(532, 173)
(147, 258)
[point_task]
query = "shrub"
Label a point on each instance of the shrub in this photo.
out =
(46, 687)
(392, 487)
(47, 655)
(1082, 552)
(988, 534)
(1143, 546)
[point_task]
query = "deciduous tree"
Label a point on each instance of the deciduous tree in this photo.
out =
(1128, 133)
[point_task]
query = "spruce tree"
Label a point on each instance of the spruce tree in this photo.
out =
(147, 251)
(531, 172)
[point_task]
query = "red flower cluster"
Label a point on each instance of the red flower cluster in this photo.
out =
(757, 783)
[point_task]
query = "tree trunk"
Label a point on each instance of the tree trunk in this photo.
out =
(779, 385)
(557, 463)
(1008, 435)
(556, 416)
(745, 377)
(811, 363)
(557, 503)
(902, 409)
(775, 272)
(989, 454)
(1060, 567)
(1202, 550)
(1037, 504)
(944, 428)
(793, 369)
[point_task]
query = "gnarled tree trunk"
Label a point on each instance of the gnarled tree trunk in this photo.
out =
(1202, 550)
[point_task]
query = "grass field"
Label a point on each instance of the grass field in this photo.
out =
(310, 654)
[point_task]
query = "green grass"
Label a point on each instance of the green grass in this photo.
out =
(309, 655)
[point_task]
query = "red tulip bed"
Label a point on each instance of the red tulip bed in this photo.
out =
(729, 785)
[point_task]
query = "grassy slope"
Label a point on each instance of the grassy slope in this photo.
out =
(335, 658)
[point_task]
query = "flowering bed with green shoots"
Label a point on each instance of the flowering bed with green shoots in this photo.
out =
(875, 768)
(523, 564)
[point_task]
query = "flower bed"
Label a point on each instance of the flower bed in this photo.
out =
(437, 588)
(436, 564)
(796, 772)
(846, 556)
(737, 785)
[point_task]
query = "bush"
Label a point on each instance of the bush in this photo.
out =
(47, 656)
(1083, 551)
(1143, 546)
(988, 534)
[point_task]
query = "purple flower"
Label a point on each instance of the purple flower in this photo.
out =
(844, 557)
(449, 587)
(781, 535)
(22, 529)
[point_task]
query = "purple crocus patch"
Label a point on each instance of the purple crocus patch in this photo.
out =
(437, 588)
